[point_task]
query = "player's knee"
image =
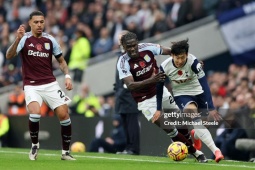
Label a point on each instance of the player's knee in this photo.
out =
(173, 133)
(191, 107)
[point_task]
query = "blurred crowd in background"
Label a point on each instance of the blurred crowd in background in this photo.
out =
(98, 22)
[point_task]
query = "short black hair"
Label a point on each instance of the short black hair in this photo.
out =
(36, 13)
(180, 47)
(128, 36)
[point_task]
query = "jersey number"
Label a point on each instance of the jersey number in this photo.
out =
(61, 93)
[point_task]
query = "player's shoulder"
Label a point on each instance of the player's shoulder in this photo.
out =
(168, 63)
(48, 36)
(142, 46)
(28, 34)
(122, 60)
(191, 58)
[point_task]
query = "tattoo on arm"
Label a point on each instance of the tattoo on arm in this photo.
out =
(63, 65)
(11, 52)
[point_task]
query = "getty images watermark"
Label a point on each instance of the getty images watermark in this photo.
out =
(181, 119)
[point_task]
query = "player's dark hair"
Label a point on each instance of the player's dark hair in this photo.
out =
(128, 36)
(180, 47)
(36, 13)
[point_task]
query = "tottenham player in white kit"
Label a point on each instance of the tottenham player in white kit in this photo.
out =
(137, 69)
(36, 49)
(190, 89)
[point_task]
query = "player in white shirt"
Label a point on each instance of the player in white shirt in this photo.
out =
(191, 91)
(139, 71)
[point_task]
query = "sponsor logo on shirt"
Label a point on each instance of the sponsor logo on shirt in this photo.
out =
(144, 70)
(31, 45)
(37, 53)
(135, 66)
(181, 81)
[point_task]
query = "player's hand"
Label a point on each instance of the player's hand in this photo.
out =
(202, 63)
(21, 31)
(160, 77)
(68, 84)
(109, 140)
(156, 116)
(215, 115)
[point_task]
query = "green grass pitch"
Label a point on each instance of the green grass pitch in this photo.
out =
(17, 159)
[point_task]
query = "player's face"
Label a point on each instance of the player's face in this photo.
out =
(131, 47)
(37, 25)
(180, 60)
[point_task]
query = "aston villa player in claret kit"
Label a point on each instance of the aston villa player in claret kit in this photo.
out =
(36, 49)
(139, 71)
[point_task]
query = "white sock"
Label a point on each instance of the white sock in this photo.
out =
(64, 152)
(37, 144)
(205, 136)
(197, 153)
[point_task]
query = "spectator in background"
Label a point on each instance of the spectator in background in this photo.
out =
(79, 56)
(115, 142)
(17, 103)
(85, 103)
(179, 13)
(4, 129)
(227, 139)
(104, 43)
(126, 107)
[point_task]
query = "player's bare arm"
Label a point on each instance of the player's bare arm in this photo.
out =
(11, 52)
(166, 50)
(137, 85)
(64, 68)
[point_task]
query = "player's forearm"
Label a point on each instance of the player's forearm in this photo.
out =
(11, 52)
(166, 50)
(63, 67)
(134, 86)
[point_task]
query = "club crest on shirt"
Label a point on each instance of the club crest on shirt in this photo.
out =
(179, 72)
(38, 47)
(147, 58)
(142, 64)
(47, 46)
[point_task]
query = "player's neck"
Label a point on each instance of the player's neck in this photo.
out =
(37, 35)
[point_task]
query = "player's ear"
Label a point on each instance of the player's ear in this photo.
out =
(30, 22)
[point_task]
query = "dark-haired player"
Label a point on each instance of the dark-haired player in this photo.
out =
(138, 68)
(191, 91)
(36, 49)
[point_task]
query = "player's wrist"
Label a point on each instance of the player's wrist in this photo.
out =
(67, 76)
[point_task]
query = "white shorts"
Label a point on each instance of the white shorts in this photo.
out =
(149, 106)
(50, 93)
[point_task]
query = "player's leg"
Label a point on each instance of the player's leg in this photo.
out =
(148, 108)
(177, 136)
(33, 102)
(56, 99)
(66, 130)
(169, 105)
(201, 132)
(34, 119)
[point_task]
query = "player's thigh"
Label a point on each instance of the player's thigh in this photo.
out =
(54, 96)
(185, 102)
(168, 102)
(33, 99)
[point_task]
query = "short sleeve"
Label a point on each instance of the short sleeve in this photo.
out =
(123, 68)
